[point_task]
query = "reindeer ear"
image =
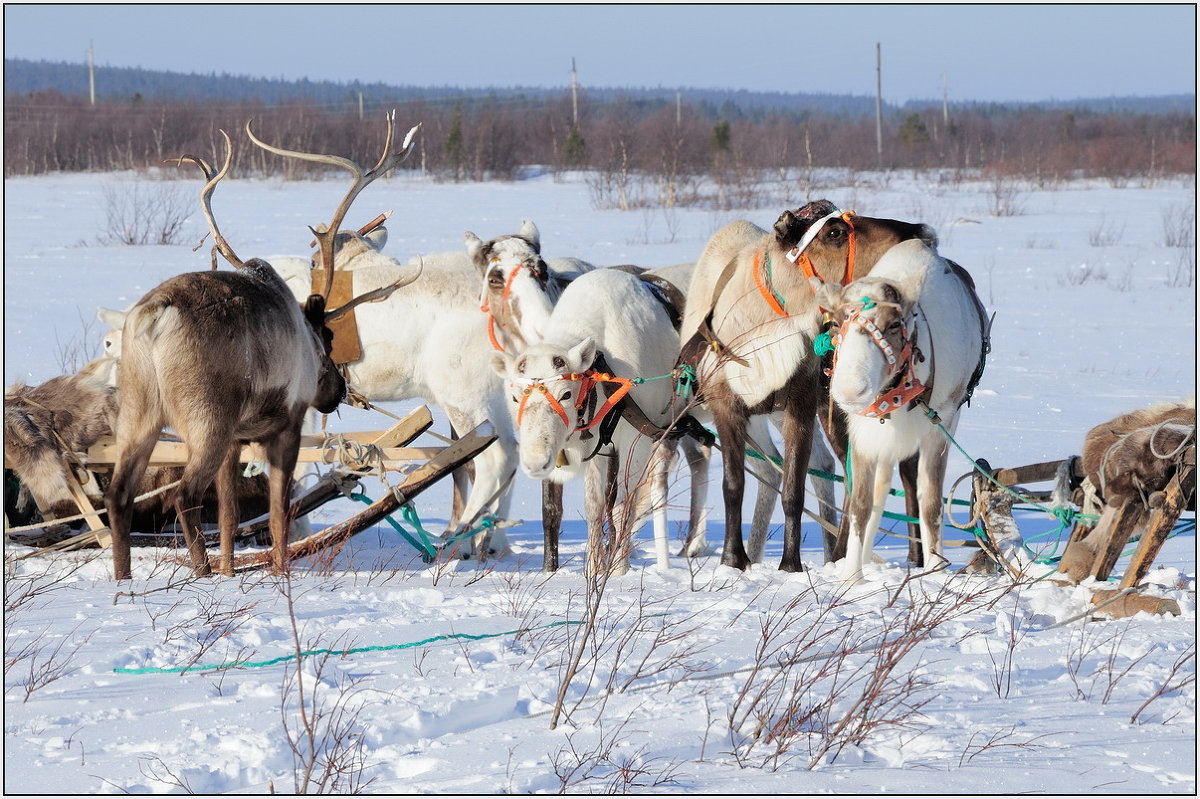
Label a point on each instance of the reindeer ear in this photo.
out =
(474, 249)
(828, 293)
(377, 238)
(314, 310)
(582, 355)
(787, 229)
(114, 319)
(500, 363)
(529, 232)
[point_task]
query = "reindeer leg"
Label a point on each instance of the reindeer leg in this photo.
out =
(931, 475)
(131, 465)
(201, 470)
(731, 430)
(594, 511)
(228, 514)
(282, 453)
(698, 457)
(552, 509)
(912, 508)
(768, 478)
(859, 516)
(833, 421)
(799, 415)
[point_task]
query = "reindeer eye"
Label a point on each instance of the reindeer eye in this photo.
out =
(559, 363)
(495, 280)
(834, 233)
(566, 395)
(896, 325)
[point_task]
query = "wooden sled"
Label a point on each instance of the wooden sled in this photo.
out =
(351, 456)
(1002, 542)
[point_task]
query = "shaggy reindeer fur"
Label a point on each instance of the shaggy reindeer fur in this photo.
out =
(70, 413)
(758, 362)
(613, 313)
(911, 295)
(1128, 460)
(43, 423)
(223, 358)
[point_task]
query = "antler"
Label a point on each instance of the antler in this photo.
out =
(213, 177)
(373, 296)
(362, 179)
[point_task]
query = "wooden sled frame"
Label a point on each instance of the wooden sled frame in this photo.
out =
(387, 450)
(1002, 540)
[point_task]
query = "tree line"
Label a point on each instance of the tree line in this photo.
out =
(624, 143)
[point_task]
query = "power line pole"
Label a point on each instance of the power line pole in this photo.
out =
(91, 75)
(945, 103)
(879, 102)
(574, 95)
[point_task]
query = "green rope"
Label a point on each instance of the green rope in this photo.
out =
(428, 550)
(248, 664)
(823, 344)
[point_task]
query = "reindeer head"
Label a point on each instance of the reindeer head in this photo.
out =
(331, 385)
(515, 280)
(876, 321)
(547, 385)
(840, 245)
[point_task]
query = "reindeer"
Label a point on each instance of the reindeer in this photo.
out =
(1127, 462)
(911, 341)
(749, 326)
(44, 424)
(605, 330)
(226, 358)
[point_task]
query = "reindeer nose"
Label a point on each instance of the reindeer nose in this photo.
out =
(851, 392)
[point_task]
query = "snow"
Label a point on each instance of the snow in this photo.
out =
(443, 678)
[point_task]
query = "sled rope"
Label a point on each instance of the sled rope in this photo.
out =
(250, 664)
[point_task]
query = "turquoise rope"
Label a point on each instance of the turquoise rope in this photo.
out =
(427, 550)
(247, 664)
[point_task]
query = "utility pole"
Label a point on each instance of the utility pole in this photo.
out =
(91, 75)
(879, 102)
(945, 103)
(360, 106)
(574, 95)
(678, 108)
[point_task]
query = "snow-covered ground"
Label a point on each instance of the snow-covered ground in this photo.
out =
(443, 678)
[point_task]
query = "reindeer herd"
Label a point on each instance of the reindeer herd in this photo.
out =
(610, 373)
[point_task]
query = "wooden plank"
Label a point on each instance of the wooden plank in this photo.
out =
(1115, 524)
(1121, 607)
(175, 453)
(417, 481)
(1033, 473)
(1162, 521)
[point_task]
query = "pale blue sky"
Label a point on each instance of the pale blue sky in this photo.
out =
(1002, 52)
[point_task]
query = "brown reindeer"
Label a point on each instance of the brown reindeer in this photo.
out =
(226, 358)
(1128, 461)
(43, 424)
(749, 325)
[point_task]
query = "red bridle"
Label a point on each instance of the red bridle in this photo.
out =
(906, 386)
(588, 382)
(486, 307)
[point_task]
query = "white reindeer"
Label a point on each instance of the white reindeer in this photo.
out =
(558, 387)
(910, 348)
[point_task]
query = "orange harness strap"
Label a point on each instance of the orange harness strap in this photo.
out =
(797, 256)
(908, 386)
(587, 381)
(487, 308)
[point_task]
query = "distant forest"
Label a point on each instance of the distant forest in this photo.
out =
(676, 137)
